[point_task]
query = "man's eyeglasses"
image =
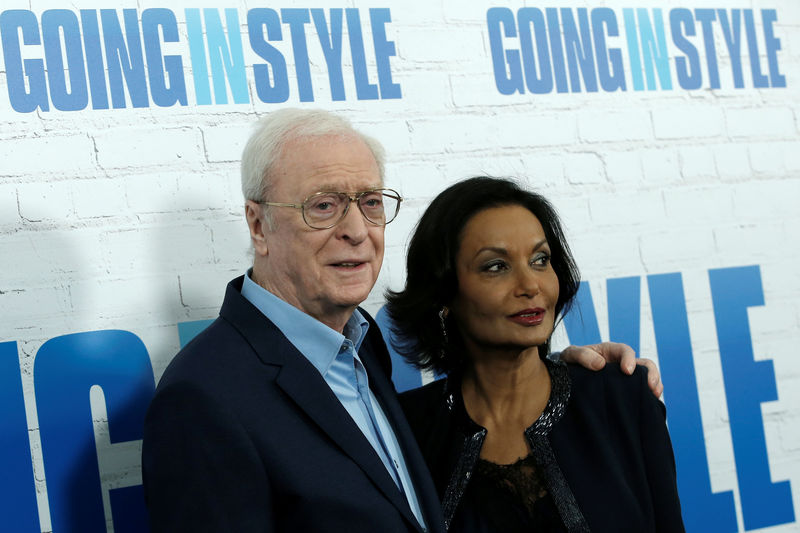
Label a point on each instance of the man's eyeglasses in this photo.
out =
(324, 210)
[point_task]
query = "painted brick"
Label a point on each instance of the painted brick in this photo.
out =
(98, 198)
(225, 143)
(204, 289)
(151, 193)
(584, 168)
(56, 154)
(766, 158)
(732, 161)
(750, 244)
(774, 199)
(616, 125)
(157, 248)
(463, 45)
(640, 210)
(46, 201)
(231, 243)
(688, 121)
(623, 168)
(660, 166)
(138, 147)
(707, 205)
(668, 250)
(208, 191)
(697, 163)
(760, 121)
(9, 211)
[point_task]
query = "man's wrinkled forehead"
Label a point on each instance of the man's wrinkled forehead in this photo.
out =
(335, 162)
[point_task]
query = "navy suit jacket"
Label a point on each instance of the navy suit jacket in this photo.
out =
(244, 435)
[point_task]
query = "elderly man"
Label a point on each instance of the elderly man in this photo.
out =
(281, 416)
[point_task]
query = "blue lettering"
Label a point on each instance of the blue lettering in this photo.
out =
(55, 21)
(384, 48)
(702, 509)
(687, 68)
(404, 375)
(270, 89)
(531, 24)
(581, 321)
(23, 100)
(773, 45)
(197, 51)
(579, 50)
(297, 19)
(613, 79)
(654, 48)
(94, 59)
(226, 56)
(759, 79)
(706, 18)
(65, 370)
(634, 54)
(188, 330)
(124, 59)
(624, 313)
(748, 383)
(556, 49)
(732, 32)
(505, 63)
(331, 43)
(364, 89)
(158, 65)
(17, 489)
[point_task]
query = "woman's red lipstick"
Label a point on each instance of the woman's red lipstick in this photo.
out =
(528, 317)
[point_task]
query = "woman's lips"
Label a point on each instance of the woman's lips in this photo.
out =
(528, 317)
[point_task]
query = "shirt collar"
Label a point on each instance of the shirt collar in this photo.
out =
(316, 341)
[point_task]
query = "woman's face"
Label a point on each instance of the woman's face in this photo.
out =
(507, 288)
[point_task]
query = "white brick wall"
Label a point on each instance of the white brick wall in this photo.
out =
(132, 218)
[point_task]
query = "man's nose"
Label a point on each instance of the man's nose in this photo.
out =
(353, 226)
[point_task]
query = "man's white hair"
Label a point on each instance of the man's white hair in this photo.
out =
(271, 133)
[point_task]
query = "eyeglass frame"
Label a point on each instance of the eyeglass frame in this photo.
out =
(352, 197)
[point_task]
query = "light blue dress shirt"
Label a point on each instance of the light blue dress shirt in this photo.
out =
(336, 357)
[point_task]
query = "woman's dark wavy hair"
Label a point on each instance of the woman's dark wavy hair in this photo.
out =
(431, 281)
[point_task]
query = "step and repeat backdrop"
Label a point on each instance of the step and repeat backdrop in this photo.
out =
(668, 137)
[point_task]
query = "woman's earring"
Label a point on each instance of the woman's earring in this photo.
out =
(443, 312)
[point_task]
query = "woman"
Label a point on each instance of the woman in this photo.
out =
(516, 442)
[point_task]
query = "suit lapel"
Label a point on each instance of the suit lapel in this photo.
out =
(308, 390)
(375, 357)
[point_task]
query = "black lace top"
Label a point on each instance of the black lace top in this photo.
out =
(510, 498)
(517, 497)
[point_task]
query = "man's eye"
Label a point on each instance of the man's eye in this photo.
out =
(323, 205)
(372, 201)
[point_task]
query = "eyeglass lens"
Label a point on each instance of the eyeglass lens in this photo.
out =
(324, 209)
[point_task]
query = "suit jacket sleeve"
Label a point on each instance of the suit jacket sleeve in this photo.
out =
(201, 470)
(659, 462)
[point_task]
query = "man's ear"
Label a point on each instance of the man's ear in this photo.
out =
(258, 226)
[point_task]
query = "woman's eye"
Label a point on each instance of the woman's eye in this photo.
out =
(541, 259)
(494, 266)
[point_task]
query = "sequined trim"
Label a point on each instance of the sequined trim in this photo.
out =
(536, 434)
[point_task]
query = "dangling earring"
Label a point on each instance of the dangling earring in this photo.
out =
(443, 312)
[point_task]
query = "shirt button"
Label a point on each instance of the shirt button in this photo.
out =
(396, 464)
